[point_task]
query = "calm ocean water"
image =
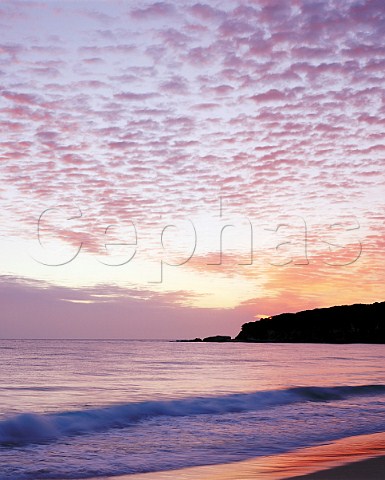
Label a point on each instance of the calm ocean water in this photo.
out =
(79, 409)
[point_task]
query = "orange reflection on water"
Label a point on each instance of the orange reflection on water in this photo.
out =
(288, 465)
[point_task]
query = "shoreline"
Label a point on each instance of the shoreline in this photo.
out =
(360, 457)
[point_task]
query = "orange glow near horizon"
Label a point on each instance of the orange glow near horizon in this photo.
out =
(217, 166)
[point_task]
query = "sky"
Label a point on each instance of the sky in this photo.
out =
(176, 169)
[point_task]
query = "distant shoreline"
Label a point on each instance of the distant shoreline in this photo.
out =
(345, 324)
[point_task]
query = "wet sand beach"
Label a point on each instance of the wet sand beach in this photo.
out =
(354, 458)
(369, 469)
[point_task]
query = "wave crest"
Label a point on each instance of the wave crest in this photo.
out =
(36, 428)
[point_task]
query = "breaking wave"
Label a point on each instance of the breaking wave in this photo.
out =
(42, 428)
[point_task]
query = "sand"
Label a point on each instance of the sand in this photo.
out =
(354, 458)
(370, 469)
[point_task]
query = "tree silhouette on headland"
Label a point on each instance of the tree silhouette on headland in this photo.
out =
(357, 323)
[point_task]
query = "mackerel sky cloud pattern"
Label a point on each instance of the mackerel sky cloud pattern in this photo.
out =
(273, 113)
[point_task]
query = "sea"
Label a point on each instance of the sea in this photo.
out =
(74, 409)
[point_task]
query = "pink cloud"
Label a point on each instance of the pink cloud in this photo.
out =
(271, 95)
(131, 96)
(132, 313)
(100, 17)
(206, 12)
(158, 9)
(235, 27)
(176, 85)
(163, 112)
(23, 98)
(11, 49)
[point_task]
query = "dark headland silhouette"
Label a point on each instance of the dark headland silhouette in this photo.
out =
(359, 323)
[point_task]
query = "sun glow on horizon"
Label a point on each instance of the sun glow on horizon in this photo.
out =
(218, 165)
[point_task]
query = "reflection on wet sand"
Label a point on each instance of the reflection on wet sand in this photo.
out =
(294, 464)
